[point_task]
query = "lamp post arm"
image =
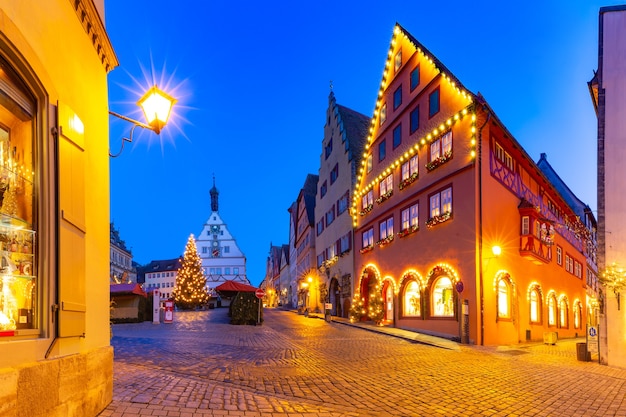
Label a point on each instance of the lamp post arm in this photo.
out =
(132, 130)
(133, 121)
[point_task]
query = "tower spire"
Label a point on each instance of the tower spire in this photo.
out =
(214, 194)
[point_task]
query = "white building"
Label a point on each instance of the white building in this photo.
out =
(608, 93)
(161, 275)
(222, 259)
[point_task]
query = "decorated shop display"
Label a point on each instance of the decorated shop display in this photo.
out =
(17, 240)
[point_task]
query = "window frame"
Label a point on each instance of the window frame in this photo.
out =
(397, 136)
(434, 107)
(397, 97)
(415, 71)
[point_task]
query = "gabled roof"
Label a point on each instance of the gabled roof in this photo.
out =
(309, 190)
(353, 127)
(127, 289)
(577, 206)
(162, 265)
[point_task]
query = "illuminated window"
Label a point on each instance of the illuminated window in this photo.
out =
(411, 300)
(441, 146)
(578, 315)
(367, 200)
(563, 323)
(552, 313)
(535, 306)
(410, 217)
(559, 255)
(386, 185)
(369, 163)
(368, 237)
(20, 301)
(504, 299)
(398, 61)
(409, 168)
(442, 298)
(441, 203)
(386, 228)
(383, 114)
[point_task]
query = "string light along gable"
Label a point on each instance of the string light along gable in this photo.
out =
(400, 35)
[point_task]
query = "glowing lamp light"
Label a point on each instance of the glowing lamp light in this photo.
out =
(496, 250)
(157, 106)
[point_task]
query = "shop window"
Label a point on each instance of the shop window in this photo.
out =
(504, 299)
(442, 298)
(552, 311)
(19, 299)
(411, 300)
(535, 305)
(578, 315)
(563, 322)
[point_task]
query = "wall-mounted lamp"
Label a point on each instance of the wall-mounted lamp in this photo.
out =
(157, 107)
(496, 250)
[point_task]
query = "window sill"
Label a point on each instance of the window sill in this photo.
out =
(435, 163)
(433, 221)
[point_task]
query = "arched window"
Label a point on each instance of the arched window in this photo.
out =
(411, 300)
(578, 315)
(563, 323)
(552, 310)
(442, 298)
(535, 306)
(504, 299)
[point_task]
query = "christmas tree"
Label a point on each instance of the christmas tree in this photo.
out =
(375, 305)
(190, 291)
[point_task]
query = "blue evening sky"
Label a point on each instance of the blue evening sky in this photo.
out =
(252, 79)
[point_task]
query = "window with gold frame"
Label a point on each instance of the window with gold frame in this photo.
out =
(18, 268)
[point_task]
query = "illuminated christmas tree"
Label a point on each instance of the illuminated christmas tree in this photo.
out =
(376, 312)
(190, 291)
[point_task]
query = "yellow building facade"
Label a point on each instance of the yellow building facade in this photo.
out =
(56, 358)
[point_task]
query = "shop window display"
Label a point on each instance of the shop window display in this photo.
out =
(411, 300)
(443, 303)
(18, 268)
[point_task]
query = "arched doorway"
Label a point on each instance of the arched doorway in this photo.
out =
(334, 297)
(388, 307)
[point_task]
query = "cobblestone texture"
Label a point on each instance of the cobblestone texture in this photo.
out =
(293, 366)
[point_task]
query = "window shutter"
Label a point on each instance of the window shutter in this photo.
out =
(71, 188)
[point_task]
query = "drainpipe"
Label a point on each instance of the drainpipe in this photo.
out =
(480, 226)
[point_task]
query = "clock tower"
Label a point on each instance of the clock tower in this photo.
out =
(222, 260)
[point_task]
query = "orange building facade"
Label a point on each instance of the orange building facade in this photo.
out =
(456, 228)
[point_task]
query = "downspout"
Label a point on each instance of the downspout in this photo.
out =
(480, 226)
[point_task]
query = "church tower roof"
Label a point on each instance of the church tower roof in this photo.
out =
(214, 194)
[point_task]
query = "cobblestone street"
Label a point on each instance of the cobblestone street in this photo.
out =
(297, 366)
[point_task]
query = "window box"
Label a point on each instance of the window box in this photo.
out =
(433, 221)
(405, 183)
(439, 161)
(367, 249)
(408, 231)
(366, 210)
(384, 197)
(384, 242)
(329, 262)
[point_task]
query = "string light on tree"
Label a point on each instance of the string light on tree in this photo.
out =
(190, 292)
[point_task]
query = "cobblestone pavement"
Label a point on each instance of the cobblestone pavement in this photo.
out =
(293, 366)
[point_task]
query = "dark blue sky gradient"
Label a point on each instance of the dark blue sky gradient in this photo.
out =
(252, 80)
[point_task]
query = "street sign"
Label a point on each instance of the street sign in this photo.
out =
(260, 293)
(592, 339)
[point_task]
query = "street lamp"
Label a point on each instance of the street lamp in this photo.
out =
(157, 107)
